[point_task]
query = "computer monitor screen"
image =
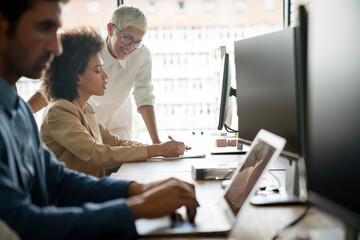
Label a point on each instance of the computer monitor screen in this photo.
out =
(225, 105)
(266, 87)
(332, 149)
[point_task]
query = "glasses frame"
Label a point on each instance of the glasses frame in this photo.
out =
(132, 41)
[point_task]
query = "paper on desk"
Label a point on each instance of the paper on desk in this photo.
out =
(187, 154)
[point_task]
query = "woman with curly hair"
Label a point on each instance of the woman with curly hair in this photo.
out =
(70, 127)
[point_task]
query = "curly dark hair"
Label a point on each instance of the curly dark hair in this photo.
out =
(60, 80)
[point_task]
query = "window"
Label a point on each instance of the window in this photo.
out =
(269, 5)
(293, 10)
(181, 6)
(192, 98)
(151, 7)
(92, 7)
(209, 5)
(240, 5)
(75, 13)
(66, 9)
(185, 75)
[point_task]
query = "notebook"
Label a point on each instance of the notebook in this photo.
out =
(218, 217)
(187, 154)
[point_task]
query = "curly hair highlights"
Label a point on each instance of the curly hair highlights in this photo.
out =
(60, 80)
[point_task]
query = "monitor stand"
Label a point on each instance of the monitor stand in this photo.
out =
(288, 195)
(351, 233)
(348, 233)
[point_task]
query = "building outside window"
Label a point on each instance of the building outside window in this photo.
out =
(151, 7)
(186, 76)
(66, 9)
(240, 5)
(187, 94)
(209, 5)
(269, 5)
(93, 7)
(181, 6)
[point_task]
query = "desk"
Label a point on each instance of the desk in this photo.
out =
(254, 222)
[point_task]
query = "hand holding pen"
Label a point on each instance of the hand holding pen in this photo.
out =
(167, 149)
(172, 139)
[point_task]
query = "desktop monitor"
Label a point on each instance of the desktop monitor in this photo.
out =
(332, 115)
(266, 83)
(226, 92)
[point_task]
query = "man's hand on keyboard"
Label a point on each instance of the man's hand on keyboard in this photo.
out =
(163, 199)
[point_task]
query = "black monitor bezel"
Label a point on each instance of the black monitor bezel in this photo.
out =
(225, 92)
(289, 154)
(315, 198)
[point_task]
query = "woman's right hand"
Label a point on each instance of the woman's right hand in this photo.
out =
(167, 149)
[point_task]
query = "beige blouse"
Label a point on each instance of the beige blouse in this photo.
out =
(82, 143)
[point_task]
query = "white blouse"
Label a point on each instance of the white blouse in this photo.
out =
(114, 109)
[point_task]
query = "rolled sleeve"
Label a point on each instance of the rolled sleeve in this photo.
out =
(143, 87)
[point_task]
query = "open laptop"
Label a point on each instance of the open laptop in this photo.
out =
(218, 217)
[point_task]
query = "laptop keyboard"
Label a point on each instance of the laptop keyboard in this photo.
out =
(207, 215)
(178, 220)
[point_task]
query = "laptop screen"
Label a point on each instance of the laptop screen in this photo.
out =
(248, 175)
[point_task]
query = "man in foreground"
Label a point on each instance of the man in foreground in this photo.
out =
(39, 197)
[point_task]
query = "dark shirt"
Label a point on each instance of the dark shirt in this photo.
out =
(40, 198)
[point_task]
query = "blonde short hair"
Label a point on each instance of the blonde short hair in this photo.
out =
(125, 16)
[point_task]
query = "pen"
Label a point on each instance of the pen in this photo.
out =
(172, 139)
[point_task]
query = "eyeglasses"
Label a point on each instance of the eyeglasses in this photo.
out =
(128, 41)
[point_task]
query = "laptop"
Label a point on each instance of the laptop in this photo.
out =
(218, 217)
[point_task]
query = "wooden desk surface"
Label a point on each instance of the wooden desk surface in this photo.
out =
(254, 222)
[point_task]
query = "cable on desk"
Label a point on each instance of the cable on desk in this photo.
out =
(226, 180)
(227, 176)
(276, 178)
(277, 236)
(272, 187)
(229, 129)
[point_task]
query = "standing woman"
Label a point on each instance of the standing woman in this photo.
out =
(70, 127)
(128, 62)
